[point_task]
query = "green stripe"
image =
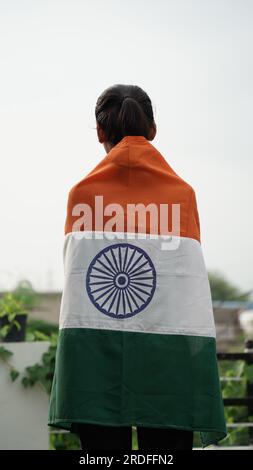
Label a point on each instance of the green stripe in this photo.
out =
(124, 378)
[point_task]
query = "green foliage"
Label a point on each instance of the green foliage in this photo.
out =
(249, 372)
(222, 289)
(197, 440)
(235, 389)
(236, 437)
(14, 374)
(42, 372)
(36, 328)
(134, 439)
(25, 294)
(10, 309)
(5, 354)
(64, 441)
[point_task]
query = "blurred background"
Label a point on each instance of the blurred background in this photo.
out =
(194, 58)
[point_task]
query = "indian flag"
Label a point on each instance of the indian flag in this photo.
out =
(136, 335)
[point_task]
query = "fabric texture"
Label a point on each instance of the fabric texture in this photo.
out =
(137, 336)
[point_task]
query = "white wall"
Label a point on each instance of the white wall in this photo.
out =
(23, 411)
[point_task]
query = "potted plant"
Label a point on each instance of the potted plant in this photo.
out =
(13, 319)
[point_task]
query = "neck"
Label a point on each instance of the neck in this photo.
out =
(108, 146)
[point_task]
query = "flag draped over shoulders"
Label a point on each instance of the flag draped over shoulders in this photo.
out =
(136, 336)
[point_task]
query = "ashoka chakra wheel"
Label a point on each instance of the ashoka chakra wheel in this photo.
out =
(121, 280)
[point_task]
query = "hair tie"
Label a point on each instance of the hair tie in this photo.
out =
(123, 99)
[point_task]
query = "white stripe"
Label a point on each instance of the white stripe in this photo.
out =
(181, 302)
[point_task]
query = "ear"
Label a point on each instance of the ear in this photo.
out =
(100, 134)
(152, 132)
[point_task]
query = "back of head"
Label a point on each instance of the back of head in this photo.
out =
(124, 110)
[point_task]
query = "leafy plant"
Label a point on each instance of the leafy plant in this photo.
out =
(10, 310)
(234, 388)
(40, 330)
(5, 355)
(25, 293)
(42, 372)
(64, 441)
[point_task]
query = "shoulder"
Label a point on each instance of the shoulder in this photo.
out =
(85, 187)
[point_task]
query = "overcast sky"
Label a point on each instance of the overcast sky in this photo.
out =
(195, 60)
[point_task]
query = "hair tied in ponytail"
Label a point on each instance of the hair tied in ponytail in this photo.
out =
(135, 117)
(124, 98)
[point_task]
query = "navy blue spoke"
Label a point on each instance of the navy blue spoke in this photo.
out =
(106, 267)
(102, 295)
(115, 261)
(113, 300)
(124, 302)
(139, 289)
(140, 284)
(109, 296)
(141, 279)
(120, 260)
(133, 299)
(103, 272)
(99, 277)
(136, 269)
(142, 272)
(118, 303)
(130, 260)
(100, 288)
(136, 261)
(128, 301)
(110, 263)
(135, 293)
(125, 258)
(100, 282)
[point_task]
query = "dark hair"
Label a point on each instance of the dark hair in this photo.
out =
(124, 110)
